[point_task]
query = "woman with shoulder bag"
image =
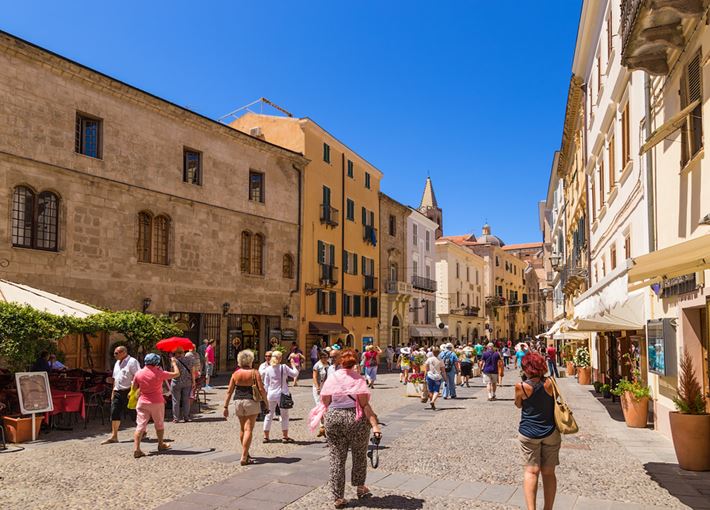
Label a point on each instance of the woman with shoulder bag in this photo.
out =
(278, 394)
(248, 392)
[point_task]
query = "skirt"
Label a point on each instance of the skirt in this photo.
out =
(467, 369)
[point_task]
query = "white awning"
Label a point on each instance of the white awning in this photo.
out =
(626, 316)
(668, 127)
(426, 332)
(677, 260)
(11, 292)
(571, 335)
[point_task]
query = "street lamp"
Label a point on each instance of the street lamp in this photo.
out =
(146, 303)
(555, 260)
(225, 309)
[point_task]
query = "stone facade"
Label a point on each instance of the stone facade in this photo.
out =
(140, 169)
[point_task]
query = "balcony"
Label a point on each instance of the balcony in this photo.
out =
(467, 311)
(422, 283)
(395, 287)
(652, 29)
(328, 215)
(369, 234)
(328, 274)
(369, 283)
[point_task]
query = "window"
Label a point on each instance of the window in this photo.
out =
(593, 186)
(414, 268)
(428, 240)
(497, 261)
(326, 152)
(612, 257)
(603, 267)
(625, 148)
(350, 262)
(88, 136)
(468, 274)
(366, 300)
(415, 310)
(191, 166)
(350, 210)
(599, 73)
(145, 237)
(601, 183)
(627, 246)
(356, 306)
(457, 271)
(256, 186)
(476, 276)
(393, 225)
(245, 258)
(609, 34)
(691, 90)
(351, 172)
(367, 180)
(35, 219)
(257, 254)
(326, 302)
(374, 305)
(612, 163)
(414, 234)
(161, 231)
(347, 305)
(288, 266)
(427, 271)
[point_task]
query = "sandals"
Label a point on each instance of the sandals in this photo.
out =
(341, 503)
(109, 441)
(287, 440)
(363, 493)
(266, 440)
(163, 447)
(247, 462)
(138, 454)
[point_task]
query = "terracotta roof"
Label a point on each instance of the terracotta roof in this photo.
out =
(522, 246)
(464, 240)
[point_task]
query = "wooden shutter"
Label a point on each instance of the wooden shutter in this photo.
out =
(321, 252)
(373, 307)
(612, 163)
(333, 305)
(355, 263)
(326, 195)
(364, 265)
(346, 256)
(372, 217)
(364, 216)
(367, 307)
(320, 301)
(331, 253)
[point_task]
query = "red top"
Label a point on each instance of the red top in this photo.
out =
(150, 381)
(551, 353)
(370, 359)
(209, 354)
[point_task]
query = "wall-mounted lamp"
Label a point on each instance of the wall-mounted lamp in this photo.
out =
(146, 303)
(286, 314)
(705, 220)
(225, 309)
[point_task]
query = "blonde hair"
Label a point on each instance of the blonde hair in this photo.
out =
(276, 357)
(245, 358)
(370, 348)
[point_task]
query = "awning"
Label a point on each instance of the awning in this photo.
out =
(571, 335)
(11, 292)
(426, 332)
(626, 316)
(668, 127)
(326, 328)
(677, 260)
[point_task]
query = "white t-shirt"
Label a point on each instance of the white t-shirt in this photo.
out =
(435, 367)
(123, 372)
(276, 381)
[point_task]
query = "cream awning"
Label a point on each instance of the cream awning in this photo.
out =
(626, 316)
(426, 332)
(571, 335)
(11, 292)
(668, 127)
(677, 260)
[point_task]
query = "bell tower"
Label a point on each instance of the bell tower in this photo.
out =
(430, 208)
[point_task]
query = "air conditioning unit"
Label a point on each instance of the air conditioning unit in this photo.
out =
(255, 131)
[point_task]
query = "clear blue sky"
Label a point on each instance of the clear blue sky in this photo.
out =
(472, 92)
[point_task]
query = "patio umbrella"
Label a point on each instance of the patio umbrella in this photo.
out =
(172, 343)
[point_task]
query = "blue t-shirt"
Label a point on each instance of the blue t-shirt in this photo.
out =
(519, 358)
(490, 362)
(451, 357)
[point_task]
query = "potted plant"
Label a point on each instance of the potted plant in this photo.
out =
(605, 390)
(634, 400)
(690, 424)
(19, 429)
(415, 384)
(570, 369)
(583, 364)
(597, 386)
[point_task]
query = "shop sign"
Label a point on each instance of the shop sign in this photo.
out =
(678, 285)
(288, 334)
(661, 341)
(34, 393)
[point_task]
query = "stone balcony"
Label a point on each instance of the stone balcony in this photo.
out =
(652, 29)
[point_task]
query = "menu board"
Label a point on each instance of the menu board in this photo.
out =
(34, 393)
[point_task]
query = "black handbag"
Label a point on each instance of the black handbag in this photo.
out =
(286, 401)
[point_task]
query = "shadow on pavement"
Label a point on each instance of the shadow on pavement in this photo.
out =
(277, 460)
(208, 420)
(612, 408)
(688, 486)
(391, 501)
(183, 452)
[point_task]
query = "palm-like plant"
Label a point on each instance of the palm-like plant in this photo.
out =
(690, 399)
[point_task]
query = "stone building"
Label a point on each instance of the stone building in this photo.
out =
(395, 284)
(535, 281)
(115, 197)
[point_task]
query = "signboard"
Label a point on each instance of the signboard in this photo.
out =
(660, 336)
(678, 285)
(288, 334)
(33, 392)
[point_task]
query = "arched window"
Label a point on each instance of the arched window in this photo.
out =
(161, 229)
(288, 271)
(145, 236)
(35, 219)
(257, 254)
(245, 258)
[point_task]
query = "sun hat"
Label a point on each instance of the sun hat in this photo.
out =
(152, 359)
(405, 350)
(490, 344)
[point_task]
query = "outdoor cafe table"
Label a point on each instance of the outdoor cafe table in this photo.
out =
(66, 402)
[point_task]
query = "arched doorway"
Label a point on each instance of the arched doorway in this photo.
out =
(475, 333)
(396, 330)
(349, 340)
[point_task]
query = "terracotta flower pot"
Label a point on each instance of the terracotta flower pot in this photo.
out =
(571, 371)
(691, 440)
(19, 429)
(584, 375)
(635, 411)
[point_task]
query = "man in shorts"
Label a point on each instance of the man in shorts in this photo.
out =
(125, 368)
(489, 367)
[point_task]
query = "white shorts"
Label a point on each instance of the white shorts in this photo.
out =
(490, 378)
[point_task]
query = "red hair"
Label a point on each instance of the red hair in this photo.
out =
(534, 364)
(348, 359)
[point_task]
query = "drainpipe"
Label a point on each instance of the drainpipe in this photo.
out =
(298, 251)
(342, 237)
(650, 186)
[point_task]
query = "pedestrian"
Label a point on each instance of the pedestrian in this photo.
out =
(334, 361)
(521, 350)
(371, 361)
(245, 384)
(479, 350)
(389, 356)
(506, 355)
(489, 367)
(451, 368)
(552, 361)
(320, 374)
(434, 376)
(124, 370)
(209, 363)
(182, 386)
(276, 384)
(264, 365)
(296, 359)
(466, 366)
(315, 350)
(151, 404)
(404, 364)
(345, 403)
(539, 438)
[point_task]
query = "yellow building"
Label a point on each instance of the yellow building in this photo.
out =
(339, 253)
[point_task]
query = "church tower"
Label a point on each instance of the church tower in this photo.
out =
(430, 208)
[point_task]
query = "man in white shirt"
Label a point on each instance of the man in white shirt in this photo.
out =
(125, 368)
(265, 365)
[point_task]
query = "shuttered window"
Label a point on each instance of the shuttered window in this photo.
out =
(691, 89)
(350, 210)
(326, 153)
(602, 187)
(625, 149)
(356, 306)
(612, 164)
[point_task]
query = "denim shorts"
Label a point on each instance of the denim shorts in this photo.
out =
(432, 385)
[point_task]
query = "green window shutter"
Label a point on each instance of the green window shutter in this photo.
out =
(373, 307)
(364, 265)
(345, 261)
(332, 254)
(367, 307)
(333, 303)
(364, 216)
(372, 217)
(356, 306)
(355, 263)
(321, 252)
(320, 301)
(326, 195)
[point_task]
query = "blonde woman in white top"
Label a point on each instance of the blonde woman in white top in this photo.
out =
(276, 382)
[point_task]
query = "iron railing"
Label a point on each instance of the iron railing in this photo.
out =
(420, 282)
(328, 274)
(329, 215)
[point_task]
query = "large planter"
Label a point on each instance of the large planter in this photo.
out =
(635, 411)
(19, 429)
(414, 389)
(584, 375)
(570, 369)
(691, 440)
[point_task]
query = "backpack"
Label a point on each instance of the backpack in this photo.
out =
(448, 362)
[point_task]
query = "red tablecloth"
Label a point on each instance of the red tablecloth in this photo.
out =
(66, 402)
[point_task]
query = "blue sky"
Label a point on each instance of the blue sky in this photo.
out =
(471, 92)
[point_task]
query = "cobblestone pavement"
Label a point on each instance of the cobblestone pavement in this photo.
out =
(462, 456)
